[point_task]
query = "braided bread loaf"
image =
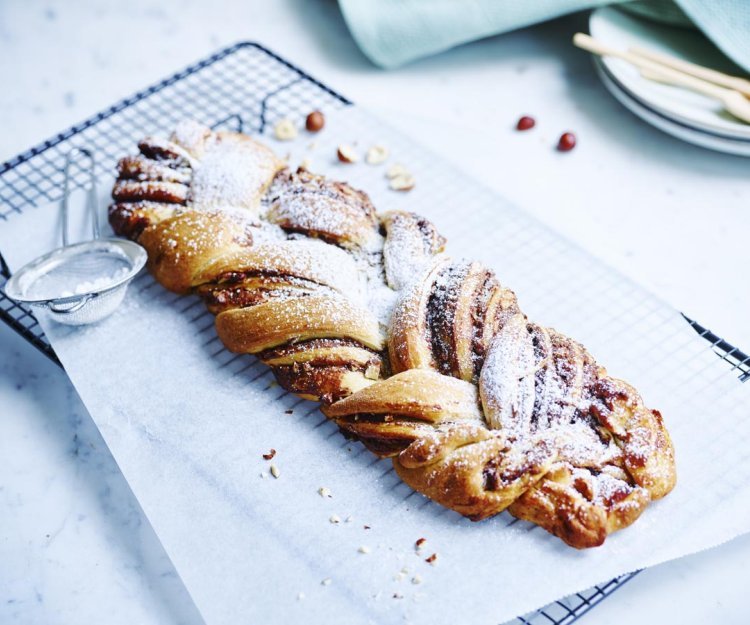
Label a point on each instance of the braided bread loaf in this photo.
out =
(425, 360)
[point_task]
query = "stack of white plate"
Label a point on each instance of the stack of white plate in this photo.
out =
(684, 114)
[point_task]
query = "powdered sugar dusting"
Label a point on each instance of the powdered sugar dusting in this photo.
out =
(525, 395)
(406, 252)
(231, 173)
(191, 135)
(312, 260)
(507, 379)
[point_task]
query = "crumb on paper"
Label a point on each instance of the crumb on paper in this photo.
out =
(289, 411)
(326, 582)
(348, 519)
(335, 519)
(417, 579)
(367, 527)
(364, 549)
(271, 453)
(398, 595)
(325, 492)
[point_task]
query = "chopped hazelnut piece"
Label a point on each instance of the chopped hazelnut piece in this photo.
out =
(397, 169)
(432, 559)
(347, 154)
(271, 453)
(420, 542)
(285, 130)
(402, 183)
(275, 471)
(377, 155)
(324, 492)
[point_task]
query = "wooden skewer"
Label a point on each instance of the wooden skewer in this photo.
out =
(711, 75)
(733, 100)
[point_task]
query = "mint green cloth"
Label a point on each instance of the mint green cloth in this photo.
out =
(394, 32)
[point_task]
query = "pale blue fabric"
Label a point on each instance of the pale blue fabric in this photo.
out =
(394, 32)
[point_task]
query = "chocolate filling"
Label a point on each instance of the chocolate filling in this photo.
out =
(227, 289)
(162, 154)
(540, 354)
(441, 315)
(303, 346)
(480, 302)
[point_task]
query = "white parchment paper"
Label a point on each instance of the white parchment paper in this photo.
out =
(188, 422)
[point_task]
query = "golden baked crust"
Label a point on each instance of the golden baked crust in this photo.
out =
(424, 359)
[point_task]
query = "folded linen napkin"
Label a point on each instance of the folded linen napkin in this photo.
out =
(394, 32)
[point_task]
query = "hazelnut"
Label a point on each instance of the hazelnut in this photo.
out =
(376, 155)
(285, 130)
(526, 123)
(347, 154)
(315, 121)
(567, 142)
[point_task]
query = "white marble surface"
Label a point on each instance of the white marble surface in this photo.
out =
(670, 215)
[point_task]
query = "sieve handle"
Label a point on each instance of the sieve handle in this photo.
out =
(56, 308)
(91, 198)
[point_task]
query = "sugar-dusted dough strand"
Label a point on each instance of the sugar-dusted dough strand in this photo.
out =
(424, 359)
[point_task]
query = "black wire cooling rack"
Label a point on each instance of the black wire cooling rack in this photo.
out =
(241, 86)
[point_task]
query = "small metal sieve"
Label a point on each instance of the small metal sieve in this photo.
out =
(84, 282)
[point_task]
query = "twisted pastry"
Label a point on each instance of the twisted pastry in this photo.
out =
(425, 360)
